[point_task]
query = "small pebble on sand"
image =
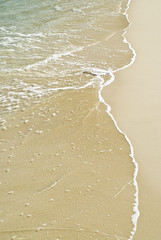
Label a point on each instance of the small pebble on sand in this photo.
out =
(11, 192)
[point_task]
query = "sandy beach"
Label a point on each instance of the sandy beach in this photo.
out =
(135, 100)
(67, 171)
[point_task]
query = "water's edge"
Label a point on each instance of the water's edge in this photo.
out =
(99, 78)
(136, 214)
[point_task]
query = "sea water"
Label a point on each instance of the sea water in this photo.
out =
(45, 45)
(55, 58)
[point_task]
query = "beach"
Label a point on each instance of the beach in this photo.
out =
(135, 100)
(61, 176)
(71, 139)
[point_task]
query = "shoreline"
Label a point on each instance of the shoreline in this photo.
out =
(66, 171)
(134, 116)
(102, 99)
(64, 133)
(136, 214)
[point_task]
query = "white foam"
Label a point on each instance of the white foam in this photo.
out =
(136, 214)
(55, 56)
(98, 75)
(135, 207)
(79, 11)
(97, 78)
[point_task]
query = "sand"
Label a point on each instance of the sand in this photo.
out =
(65, 172)
(135, 100)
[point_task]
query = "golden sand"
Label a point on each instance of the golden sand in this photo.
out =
(135, 100)
(66, 172)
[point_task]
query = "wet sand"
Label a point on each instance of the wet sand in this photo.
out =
(65, 172)
(135, 100)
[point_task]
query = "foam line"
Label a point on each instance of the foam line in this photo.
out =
(135, 207)
(102, 85)
(98, 74)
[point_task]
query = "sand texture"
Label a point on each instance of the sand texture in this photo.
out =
(135, 100)
(66, 172)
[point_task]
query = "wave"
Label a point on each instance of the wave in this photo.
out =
(72, 48)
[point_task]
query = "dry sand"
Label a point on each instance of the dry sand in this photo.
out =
(136, 106)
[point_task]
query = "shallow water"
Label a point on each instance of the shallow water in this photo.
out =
(47, 45)
(58, 143)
